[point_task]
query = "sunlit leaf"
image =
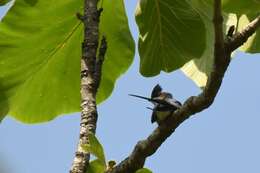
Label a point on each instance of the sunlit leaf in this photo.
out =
(94, 147)
(96, 166)
(40, 51)
(144, 170)
(121, 46)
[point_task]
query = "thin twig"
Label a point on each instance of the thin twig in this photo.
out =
(194, 104)
(241, 37)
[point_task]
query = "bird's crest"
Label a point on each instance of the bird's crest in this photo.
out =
(156, 91)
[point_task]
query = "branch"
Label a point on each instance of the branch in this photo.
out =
(194, 104)
(89, 82)
(241, 37)
(99, 61)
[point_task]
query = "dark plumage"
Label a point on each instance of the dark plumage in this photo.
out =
(156, 91)
(164, 104)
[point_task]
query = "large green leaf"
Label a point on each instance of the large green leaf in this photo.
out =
(199, 69)
(171, 33)
(40, 51)
(121, 46)
(241, 6)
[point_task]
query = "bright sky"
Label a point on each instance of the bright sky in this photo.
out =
(223, 138)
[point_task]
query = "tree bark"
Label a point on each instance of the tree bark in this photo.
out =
(89, 83)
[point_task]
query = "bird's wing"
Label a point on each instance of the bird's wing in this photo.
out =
(162, 108)
(154, 117)
(161, 101)
(170, 102)
(174, 102)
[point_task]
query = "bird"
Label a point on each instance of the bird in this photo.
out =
(164, 104)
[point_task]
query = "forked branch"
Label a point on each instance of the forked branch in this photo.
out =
(222, 52)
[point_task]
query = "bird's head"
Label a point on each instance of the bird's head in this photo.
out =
(165, 95)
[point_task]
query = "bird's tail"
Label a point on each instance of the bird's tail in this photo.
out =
(146, 98)
(150, 108)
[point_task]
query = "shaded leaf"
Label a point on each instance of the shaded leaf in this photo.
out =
(255, 46)
(3, 2)
(40, 51)
(199, 69)
(241, 6)
(171, 33)
(94, 147)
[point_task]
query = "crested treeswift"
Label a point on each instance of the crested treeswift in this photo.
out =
(164, 104)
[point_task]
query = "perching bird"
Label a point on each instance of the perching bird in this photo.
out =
(164, 104)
